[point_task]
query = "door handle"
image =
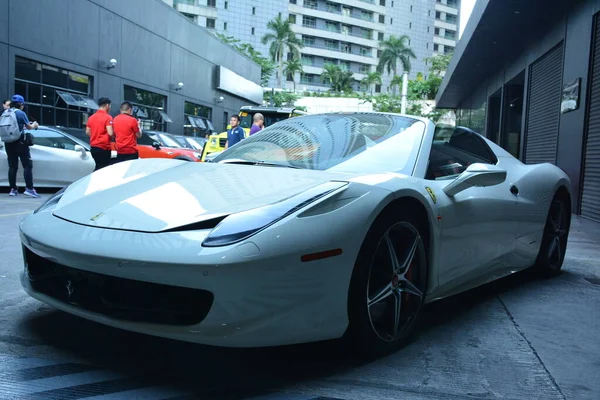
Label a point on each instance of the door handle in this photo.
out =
(514, 190)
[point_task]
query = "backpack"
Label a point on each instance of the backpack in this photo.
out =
(9, 127)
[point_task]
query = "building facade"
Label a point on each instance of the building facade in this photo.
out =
(535, 88)
(342, 32)
(170, 69)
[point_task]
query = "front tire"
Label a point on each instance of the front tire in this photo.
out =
(554, 240)
(388, 285)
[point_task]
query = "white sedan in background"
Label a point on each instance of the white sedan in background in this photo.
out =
(59, 159)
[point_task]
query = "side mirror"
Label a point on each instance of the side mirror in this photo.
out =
(478, 175)
(156, 145)
(81, 150)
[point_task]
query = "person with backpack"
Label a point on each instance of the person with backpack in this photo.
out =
(13, 121)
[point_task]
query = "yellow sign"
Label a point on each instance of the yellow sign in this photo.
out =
(431, 194)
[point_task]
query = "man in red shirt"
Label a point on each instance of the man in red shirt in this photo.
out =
(127, 131)
(100, 129)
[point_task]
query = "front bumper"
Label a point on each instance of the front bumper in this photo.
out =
(257, 293)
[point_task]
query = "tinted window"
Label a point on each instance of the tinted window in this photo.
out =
(454, 149)
(48, 138)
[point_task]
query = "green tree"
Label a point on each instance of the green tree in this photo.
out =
(281, 40)
(395, 51)
(439, 63)
(292, 67)
(338, 79)
(267, 68)
(372, 79)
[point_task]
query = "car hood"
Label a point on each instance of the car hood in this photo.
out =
(154, 195)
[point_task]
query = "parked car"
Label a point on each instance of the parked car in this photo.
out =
(320, 227)
(191, 142)
(152, 145)
(59, 159)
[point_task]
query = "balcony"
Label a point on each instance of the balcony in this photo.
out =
(311, 30)
(364, 5)
(343, 18)
(446, 9)
(192, 7)
(337, 53)
(438, 23)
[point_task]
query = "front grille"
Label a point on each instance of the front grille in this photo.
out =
(222, 142)
(119, 298)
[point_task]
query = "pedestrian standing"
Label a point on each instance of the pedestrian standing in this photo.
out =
(6, 104)
(258, 125)
(127, 132)
(236, 133)
(100, 130)
(12, 125)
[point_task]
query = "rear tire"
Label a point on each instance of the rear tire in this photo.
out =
(554, 240)
(388, 285)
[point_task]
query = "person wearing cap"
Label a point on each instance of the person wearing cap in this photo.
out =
(99, 128)
(19, 150)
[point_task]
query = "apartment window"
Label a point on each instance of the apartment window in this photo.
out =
(451, 3)
(292, 18)
(381, 19)
(429, 13)
(293, 1)
(308, 60)
(149, 107)
(377, 88)
(378, 53)
(253, 30)
(427, 47)
(308, 40)
(436, 47)
(451, 18)
(224, 26)
(332, 26)
(365, 51)
(410, 25)
(391, 21)
(309, 22)
(437, 31)
(380, 36)
(54, 96)
(253, 10)
(450, 34)
(310, 4)
(410, 8)
(199, 118)
(428, 29)
(364, 68)
(438, 15)
(331, 44)
(333, 8)
(392, 4)
(346, 48)
(330, 61)
(448, 49)
(226, 5)
(211, 3)
(210, 22)
(382, 2)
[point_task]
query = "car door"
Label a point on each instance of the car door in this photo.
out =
(56, 162)
(479, 225)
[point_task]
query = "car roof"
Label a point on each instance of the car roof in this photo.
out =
(65, 131)
(281, 110)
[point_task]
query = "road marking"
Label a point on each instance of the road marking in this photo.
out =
(13, 214)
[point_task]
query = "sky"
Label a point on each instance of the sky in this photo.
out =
(466, 7)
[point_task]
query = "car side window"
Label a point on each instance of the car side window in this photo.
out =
(49, 138)
(453, 150)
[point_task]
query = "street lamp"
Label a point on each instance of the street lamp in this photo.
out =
(112, 63)
(179, 86)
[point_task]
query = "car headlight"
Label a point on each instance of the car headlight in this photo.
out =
(237, 227)
(52, 201)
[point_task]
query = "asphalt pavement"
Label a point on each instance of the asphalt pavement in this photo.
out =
(519, 338)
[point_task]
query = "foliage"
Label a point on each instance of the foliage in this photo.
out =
(267, 67)
(281, 39)
(395, 49)
(393, 104)
(439, 63)
(291, 67)
(280, 98)
(338, 79)
(372, 78)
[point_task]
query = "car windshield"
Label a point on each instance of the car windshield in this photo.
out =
(197, 144)
(169, 141)
(360, 142)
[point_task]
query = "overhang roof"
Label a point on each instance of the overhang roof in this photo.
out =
(497, 32)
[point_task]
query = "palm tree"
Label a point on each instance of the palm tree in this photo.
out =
(293, 66)
(281, 39)
(395, 49)
(372, 78)
(396, 81)
(338, 79)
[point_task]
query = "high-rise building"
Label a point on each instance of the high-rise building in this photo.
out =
(343, 32)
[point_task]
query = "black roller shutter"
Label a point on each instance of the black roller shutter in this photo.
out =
(543, 111)
(590, 196)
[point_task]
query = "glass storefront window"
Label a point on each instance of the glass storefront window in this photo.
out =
(149, 107)
(45, 88)
(197, 120)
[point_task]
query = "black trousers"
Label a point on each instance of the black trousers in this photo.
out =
(101, 157)
(127, 157)
(14, 152)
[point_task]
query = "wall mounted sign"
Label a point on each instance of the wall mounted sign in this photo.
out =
(570, 96)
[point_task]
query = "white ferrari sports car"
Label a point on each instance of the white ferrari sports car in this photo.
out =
(59, 159)
(318, 227)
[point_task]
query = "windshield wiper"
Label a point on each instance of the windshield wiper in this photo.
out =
(264, 163)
